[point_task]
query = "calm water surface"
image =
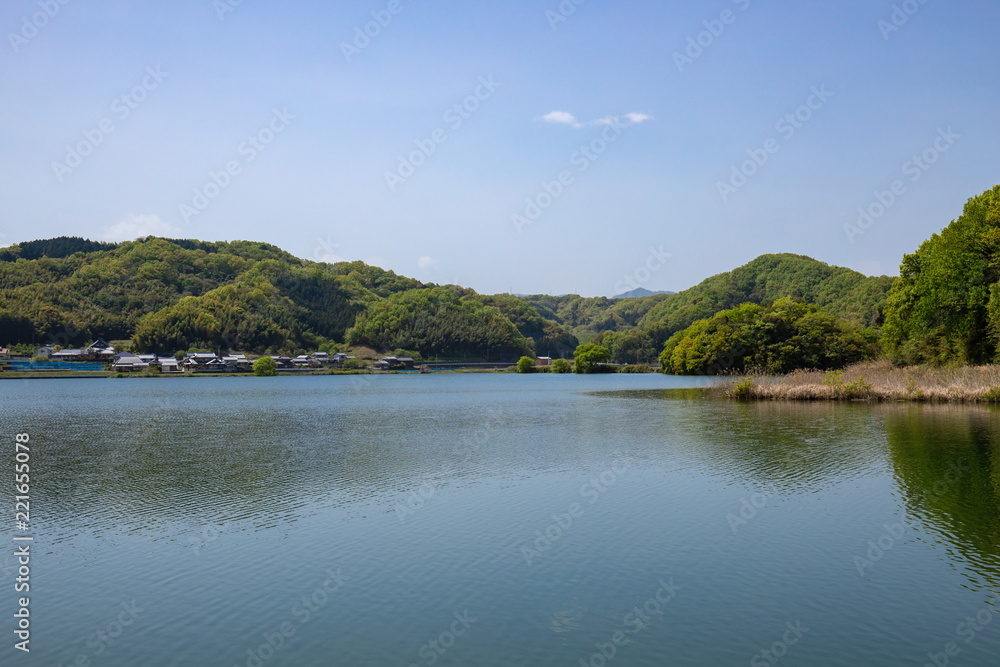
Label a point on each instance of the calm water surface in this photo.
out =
(499, 520)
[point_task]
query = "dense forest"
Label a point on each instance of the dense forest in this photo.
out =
(168, 295)
(777, 312)
(778, 338)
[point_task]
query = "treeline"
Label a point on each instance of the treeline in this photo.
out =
(776, 313)
(178, 294)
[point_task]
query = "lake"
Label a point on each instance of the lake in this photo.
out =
(482, 519)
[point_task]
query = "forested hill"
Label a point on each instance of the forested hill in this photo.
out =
(168, 295)
(636, 329)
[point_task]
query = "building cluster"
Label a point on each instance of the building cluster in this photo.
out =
(209, 362)
(99, 350)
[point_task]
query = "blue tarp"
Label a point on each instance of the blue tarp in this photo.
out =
(55, 366)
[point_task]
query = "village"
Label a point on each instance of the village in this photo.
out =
(100, 355)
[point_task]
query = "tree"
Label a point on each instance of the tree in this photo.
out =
(945, 306)
(560, 366)
(525, 365)
(589, 355)
(777, 338)
(265, 367)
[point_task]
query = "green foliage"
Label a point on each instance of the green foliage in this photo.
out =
(550, 339)
(561, 366)
(945, 307)
(63, 246)
(439, 321)
(379, 281)
(589, 356)
(249, 315)
(742, 390)
(636, 368)
(634, 346)
(992, 395)
(778, 338)
(40, 358)
(265, 367)
(525, 365)
(857, 389)
(843, 293)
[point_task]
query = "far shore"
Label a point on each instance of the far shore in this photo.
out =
(871, 381)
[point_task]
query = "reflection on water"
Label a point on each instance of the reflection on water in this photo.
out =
(947, 464)
(218, 503)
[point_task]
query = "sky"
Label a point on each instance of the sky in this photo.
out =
(521, 146)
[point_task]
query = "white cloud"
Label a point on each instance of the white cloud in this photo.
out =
(425, 262)
(566, 118)
(562, 118)
(636, 118)
(135, 226)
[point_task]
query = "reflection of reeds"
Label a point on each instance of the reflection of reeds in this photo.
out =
(874, 381)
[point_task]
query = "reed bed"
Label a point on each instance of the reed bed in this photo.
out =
(872, 381)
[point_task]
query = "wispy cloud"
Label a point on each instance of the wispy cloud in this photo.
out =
(425, 262)
(562, 118)
(566, 118)
(136, 226)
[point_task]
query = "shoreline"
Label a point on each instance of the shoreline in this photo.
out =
(876, 382)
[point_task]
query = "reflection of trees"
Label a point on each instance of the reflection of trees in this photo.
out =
(947, 462)
(792, 447)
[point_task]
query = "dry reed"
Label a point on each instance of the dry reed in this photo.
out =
(873, 381)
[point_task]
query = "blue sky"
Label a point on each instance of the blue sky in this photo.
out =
(595, 145)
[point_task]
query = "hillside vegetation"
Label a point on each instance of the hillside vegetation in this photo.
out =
(176, 294)
(945, 307)
(168, 295)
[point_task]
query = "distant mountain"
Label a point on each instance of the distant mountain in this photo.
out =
(639, 292)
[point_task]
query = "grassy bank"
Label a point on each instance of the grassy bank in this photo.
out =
(872, 381)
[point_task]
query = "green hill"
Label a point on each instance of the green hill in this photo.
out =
(636, 329)
(176, 294)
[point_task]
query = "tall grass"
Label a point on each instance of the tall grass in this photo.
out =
(872, 381)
